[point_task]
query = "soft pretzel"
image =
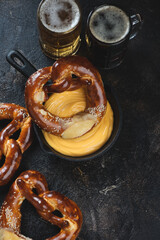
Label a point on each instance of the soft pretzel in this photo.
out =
(67, 73)
(45, 202)
(13, 149)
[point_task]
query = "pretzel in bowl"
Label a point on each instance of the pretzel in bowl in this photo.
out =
(10, 148)
(66, 74)
(45, 202)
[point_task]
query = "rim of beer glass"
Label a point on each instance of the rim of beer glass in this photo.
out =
(60, 33)
(103, 43)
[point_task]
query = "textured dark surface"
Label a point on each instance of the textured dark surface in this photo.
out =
(119, 192)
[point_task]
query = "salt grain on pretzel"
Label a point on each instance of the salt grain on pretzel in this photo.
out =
(61, 74)
(13, 149)
(45, 202)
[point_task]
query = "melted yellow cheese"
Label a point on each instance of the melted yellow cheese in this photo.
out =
(6, 234)
(67, 104)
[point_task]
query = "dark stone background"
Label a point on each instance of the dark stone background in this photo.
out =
(119, 192)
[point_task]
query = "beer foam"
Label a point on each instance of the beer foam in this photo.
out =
(109, 24)
(59, 15)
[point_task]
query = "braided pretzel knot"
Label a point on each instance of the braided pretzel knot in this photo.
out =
(45, 203)
(10, 148)
(61, 75)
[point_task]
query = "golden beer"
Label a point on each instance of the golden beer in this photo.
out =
(59, 23)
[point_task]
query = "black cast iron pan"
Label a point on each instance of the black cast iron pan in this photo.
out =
(19, 62)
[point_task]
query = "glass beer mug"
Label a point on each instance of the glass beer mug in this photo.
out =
(59, 24)
(108, 32)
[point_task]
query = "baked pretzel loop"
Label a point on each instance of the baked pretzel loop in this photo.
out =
(45, 202)
(10, 148)
(66, 74)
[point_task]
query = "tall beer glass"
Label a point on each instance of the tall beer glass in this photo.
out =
(59, 23)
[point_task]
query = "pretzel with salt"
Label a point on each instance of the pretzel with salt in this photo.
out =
(61, 76)
(45, 202)
(10, 148)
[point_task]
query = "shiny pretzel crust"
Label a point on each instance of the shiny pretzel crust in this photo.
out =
(10, 148)
(36, 92)
(45, 202)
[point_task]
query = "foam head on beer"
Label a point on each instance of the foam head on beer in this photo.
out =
(59, 15)
(109, 24)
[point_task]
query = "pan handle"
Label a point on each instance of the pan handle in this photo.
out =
(19, 62)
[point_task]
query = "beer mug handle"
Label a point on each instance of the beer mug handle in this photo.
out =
(136, 23)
